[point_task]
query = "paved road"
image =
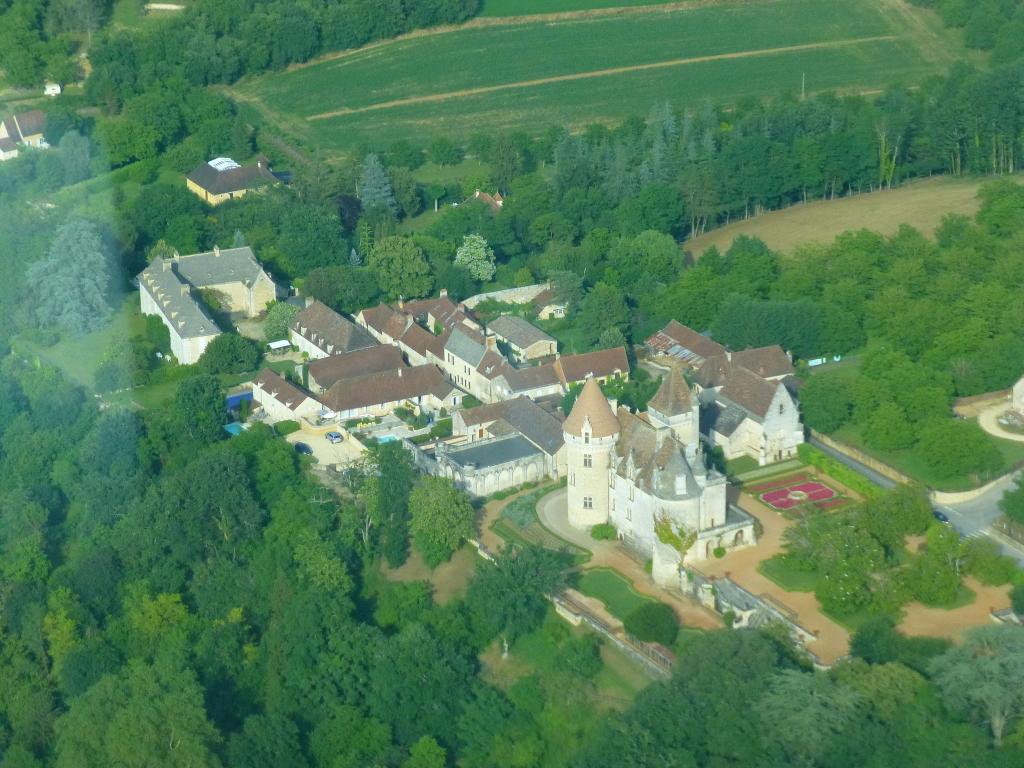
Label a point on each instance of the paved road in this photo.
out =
(971, 519)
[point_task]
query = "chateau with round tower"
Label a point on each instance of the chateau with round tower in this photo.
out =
(645, 473)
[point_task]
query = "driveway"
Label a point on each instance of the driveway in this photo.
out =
(832, 641)
(325, 452)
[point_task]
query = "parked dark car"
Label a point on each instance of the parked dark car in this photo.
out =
(941, 517)
(304, 449)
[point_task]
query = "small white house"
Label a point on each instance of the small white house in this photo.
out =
(51, 89)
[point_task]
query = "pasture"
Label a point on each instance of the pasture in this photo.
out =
(578, 69)
(921, 204)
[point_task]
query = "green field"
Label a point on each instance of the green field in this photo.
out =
(577, 71)
(492, 8)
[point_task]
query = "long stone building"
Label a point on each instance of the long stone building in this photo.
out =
(167, 286)
(646, 474)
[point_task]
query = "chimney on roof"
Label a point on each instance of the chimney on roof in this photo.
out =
(176, 254)
(492, 341)
(401, 303)
(166, 264)
(399, 373)
(184, 290)
(444, 293)
(216, 250)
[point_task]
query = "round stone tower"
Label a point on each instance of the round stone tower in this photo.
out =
(591, 431)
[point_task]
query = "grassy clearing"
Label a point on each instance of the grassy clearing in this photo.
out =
(920, 204)
(584, 70)
(79, 356)
(612, 589)
(779, 570)
(910, 463)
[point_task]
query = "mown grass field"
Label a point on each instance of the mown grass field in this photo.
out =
(921, 204)
(573, 71)
(497, 8)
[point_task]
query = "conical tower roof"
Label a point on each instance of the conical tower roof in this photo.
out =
(673, 396)
(592, 406)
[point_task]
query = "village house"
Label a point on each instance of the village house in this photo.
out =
(525, 341)
(546, 306)
(25, 130)
(167, 289)
(319, 331)
(747, 415)
(222, 179)
(678, 341)
(422, 388)
(518, 416)
(325, 372)
(281, 400)
(647, 476)
(748, 400)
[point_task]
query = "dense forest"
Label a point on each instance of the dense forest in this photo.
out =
(170, 597)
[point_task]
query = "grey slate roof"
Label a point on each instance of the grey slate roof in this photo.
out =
(492, 453)
(526, 417)
(219, 266)
(232, 179)
(174, 297)
(466, 347)
(724, 419)
(517, 331)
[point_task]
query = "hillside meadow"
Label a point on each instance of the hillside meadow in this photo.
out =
(530, 75)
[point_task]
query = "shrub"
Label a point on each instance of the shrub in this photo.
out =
(719, 552)
(442, 428)
(603, 532)
(852, 479)
(987, 563)
(581, 655)
(653, 623)
(286, 427)
(230, 353)
(1017, 599)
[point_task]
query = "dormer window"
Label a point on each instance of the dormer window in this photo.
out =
(586, 437)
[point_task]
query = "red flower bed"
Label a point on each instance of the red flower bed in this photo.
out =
(796, 494)
(780, 483)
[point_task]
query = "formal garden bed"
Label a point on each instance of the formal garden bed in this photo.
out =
(519, 524)
(797, 494)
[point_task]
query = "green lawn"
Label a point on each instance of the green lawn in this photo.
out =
(778, 569)
(910, 463)
(79, 356)
(612, 589)
(588, 70)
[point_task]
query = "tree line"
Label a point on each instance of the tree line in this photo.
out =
(172, 596)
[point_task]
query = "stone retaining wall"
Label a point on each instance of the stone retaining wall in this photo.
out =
(521, 295)
(858, 455)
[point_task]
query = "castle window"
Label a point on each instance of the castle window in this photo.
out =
(588, 460)
(572, 478)
(631, 487)
(781, 406)
(586, 438)
(588, 502)
(629, 514)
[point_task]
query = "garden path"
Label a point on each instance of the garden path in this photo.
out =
(920, 620)
(553, 514)
(989, 421)
(740, 565)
